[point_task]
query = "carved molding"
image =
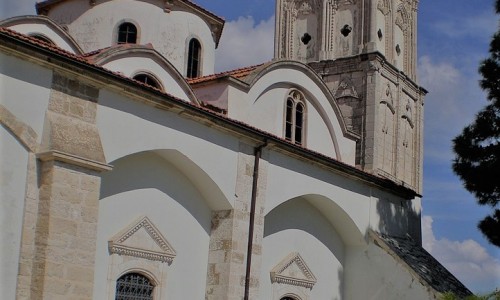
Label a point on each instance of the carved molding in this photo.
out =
(279, 274)
(402, 18)
(117, 244)
(345, 89)
(384, 6)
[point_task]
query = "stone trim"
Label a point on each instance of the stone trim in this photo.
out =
(22, 131)
(277, 273)
(116, 244)
(55, 155)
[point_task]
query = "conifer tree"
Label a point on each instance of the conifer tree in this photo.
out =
(477, 148)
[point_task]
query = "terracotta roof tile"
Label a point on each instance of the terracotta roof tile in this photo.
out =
(43, 4)
(86, 59)
(237, 73)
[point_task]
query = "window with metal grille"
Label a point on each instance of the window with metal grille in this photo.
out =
(127, 33)
(147, 79)
(134, 286)
(295, 117)
(194, 59)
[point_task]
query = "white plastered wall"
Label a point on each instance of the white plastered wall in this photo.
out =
(297, 226)
(133, 64)
(25, 91)
(265, 106)
(30, 29)
(381, 276)
(13, 168)
(95, 28)
(146, 184)
(127, 127)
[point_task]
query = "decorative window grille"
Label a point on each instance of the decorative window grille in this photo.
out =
(127, 33)
(147, 79)
(134, 286)
(295, 117)
(194, 59)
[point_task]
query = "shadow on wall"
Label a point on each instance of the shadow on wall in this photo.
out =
(399, 217)
(299, 214)
(166, 119)
(148, 170)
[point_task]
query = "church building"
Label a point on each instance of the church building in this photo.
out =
(130, 170)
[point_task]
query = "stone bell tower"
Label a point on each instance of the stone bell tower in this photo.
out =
(365, 51)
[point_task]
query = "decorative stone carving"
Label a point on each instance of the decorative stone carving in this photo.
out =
(143, 240)
(384, 6)
(403, 18)
(345, 89)
(293, 271)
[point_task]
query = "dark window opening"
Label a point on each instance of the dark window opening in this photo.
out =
(299, 119)
(289, 120)
(134, 286)
(346, 30)
(295, 118)
(306, 38)
(147, 79)
(127, 33)
(194, 59)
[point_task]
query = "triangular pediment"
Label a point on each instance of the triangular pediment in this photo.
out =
(142, 239)
(293, 270)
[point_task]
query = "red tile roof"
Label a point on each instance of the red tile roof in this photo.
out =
(86, 59)
(237, 73)
(47, 3)
(219, 116)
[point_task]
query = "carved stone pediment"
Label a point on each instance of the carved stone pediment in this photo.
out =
(143, 240)
(292, 270)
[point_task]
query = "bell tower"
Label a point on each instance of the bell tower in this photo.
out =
(365, 51)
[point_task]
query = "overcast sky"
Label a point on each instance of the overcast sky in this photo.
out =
(453, 38)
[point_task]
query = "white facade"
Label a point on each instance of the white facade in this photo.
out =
(266, 182)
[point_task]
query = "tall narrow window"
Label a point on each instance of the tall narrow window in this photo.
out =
(134, 286)
(295, 118)
(194, 59)
(127, 33)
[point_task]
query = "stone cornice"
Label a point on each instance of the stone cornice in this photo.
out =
(55, 155)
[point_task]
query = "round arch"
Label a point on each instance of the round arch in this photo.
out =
(212, 193)
(340, 220)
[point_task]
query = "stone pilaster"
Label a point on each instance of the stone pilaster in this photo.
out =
(229, 237)
(59, 238)
(66, 231)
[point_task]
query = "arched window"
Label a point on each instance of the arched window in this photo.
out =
(147, 79)
(127, 33)
(295, 117)
(42, 38)
(134, 286)
(194, 59)
(288, 298)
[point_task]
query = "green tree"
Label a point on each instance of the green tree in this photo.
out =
(477, 148)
